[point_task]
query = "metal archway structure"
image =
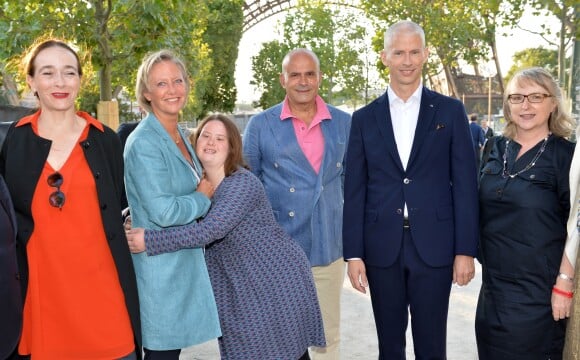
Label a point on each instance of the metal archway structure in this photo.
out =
(256, 11)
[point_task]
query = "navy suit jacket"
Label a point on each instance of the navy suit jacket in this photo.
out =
(439, 185)
(10, 296)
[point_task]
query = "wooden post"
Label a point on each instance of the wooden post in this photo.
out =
(108, 113)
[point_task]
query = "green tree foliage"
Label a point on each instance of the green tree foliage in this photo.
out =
(115, 35)
(568, 13)
(267, 67)
(224, 31)
(548, 59)
(458, 30)
(335, 37)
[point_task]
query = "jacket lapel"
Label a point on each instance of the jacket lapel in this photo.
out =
(329, 132)
(427, 112)
(285, 137)
(382, 116)
(154, 124)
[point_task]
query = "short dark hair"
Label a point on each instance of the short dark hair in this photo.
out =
(473, 117)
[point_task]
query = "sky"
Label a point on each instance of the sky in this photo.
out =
(253, 39)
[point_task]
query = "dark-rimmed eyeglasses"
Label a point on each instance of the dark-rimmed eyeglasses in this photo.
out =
(532, 98)
(57, 198)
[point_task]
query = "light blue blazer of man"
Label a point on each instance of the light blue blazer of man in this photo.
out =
(306, 204)
(176, 299)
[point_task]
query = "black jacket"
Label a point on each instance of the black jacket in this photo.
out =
(21, 162)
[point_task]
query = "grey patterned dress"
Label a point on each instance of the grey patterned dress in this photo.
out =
(261, 278)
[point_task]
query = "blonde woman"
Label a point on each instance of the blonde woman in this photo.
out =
(524, 206)
(164, 189)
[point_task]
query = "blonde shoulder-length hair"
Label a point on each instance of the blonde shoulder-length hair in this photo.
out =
(560, 122)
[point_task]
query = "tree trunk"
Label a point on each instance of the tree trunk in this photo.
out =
(107, 108)
(562, 48)
(102, 14)
(497, 66)
(11, 89)
(451, 82)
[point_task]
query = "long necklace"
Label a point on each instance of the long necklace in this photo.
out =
(530, 165)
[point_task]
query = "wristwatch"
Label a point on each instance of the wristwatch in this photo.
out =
(565, 277)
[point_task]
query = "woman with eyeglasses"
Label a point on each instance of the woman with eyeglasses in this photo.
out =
(165, 188)
(64, 171)
(524, 193)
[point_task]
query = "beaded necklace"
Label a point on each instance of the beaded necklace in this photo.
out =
(530, 165)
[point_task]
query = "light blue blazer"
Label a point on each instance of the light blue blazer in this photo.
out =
(306, 204)
(176, 299)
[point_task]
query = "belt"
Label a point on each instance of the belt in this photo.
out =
(406, 224)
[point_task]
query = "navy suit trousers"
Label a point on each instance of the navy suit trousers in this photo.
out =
(410, 285)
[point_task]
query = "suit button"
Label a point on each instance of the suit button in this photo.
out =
(338, 164)
(406, 181)
(399, 211)
(292, 189)
(291, 214)
(276, 165)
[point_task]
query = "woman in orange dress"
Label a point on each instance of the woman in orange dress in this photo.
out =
(64, 171)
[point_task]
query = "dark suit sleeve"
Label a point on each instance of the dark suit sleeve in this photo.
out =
(355, 185)
(464, 184)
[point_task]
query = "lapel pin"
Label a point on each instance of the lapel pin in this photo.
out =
(439, 126)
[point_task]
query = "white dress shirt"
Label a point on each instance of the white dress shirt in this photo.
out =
(404, 116)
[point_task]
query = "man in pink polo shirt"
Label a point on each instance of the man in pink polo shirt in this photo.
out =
(297, 149)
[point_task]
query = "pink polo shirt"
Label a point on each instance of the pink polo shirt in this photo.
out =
(310, 139)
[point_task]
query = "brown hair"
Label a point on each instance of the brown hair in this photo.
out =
(235, 158)
(29, 66)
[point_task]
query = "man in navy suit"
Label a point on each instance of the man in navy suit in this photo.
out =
(410, 211)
